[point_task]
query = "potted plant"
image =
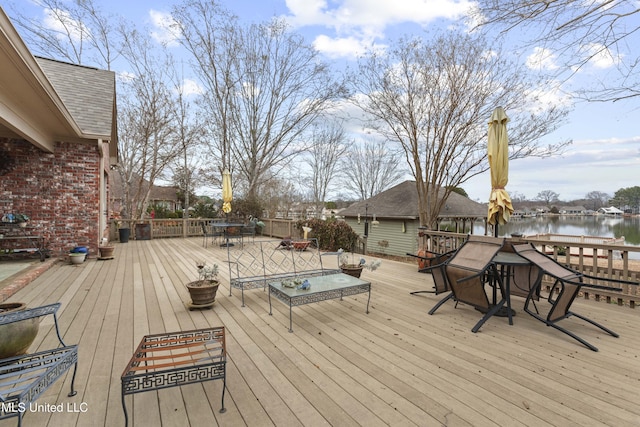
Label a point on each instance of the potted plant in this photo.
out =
(21, 219)
(15, 338)
(106, 251)
(352, 268)
(77, 257)
(203, 291)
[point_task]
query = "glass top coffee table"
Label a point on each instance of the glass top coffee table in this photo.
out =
(322, 288)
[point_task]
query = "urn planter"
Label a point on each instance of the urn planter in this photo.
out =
(15, 338)
(203, 293)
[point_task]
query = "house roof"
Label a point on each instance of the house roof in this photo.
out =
(611, 210)
(37, 104)
(401, 202)
(88, 93)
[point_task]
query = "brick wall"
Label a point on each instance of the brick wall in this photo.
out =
(59, 191)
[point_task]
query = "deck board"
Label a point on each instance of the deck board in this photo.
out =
(394, 366)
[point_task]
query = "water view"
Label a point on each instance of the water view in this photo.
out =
(578, 225)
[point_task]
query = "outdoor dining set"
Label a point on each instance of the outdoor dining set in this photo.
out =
(485, 272)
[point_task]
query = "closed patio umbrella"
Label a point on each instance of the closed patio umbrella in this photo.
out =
(500, 207)
(227, 194)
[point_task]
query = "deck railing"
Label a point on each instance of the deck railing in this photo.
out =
(611, 260)
(162, 228)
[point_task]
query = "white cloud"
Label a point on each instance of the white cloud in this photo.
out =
(601, 56)
(191, 87)
(59, 20)
(162, 31)
(542, 98)
(345, 46)
(542, 59)
(125, 76)
(359, 23)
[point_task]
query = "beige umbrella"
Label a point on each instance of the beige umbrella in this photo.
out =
(227, 194)
(500, 207)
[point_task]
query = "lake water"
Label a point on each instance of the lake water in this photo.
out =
(579, 225)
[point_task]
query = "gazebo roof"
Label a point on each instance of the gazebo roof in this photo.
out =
(401, 202)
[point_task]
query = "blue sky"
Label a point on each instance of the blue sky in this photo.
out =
(604, 156)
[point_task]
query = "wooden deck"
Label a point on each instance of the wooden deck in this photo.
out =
(394, 366)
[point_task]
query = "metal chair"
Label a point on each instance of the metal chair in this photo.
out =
(466, 273)
(205, 234)
(440, 283)
(566, 287)
(249, 231)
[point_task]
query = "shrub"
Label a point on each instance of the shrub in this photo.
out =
(332, 234)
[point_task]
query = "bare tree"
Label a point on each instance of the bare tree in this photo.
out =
(435, 99)
(189, 133)
(548, 197)
(326, 150)
(77, 31)
(517, 196)
(577, 32)
(208, 32)
(371, 167)
(279, 196)
(597, 199)
(149, 124)
(264, 85)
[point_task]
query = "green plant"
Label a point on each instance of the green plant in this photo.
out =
(206, 275)
(245, 208)
(347, 259)
(331, 233)
(20, 218)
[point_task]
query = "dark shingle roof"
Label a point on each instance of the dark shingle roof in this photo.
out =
(88, 93)
(401, 202)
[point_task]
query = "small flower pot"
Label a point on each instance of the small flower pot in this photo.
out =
(106, 252)
(352, 270)
(301, 245)
(77, 257)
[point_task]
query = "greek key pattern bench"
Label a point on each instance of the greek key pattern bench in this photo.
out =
(24, 378)
(256, 265)
(176, 359)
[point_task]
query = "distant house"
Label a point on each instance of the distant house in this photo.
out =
(58, 139)
(163, 196)
(573, 210)
(392, 218)
(611, 211)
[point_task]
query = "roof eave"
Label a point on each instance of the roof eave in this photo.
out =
(30, 94)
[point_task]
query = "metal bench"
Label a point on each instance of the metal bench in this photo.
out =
(175, 359)
(255, 266)
(23, 378)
